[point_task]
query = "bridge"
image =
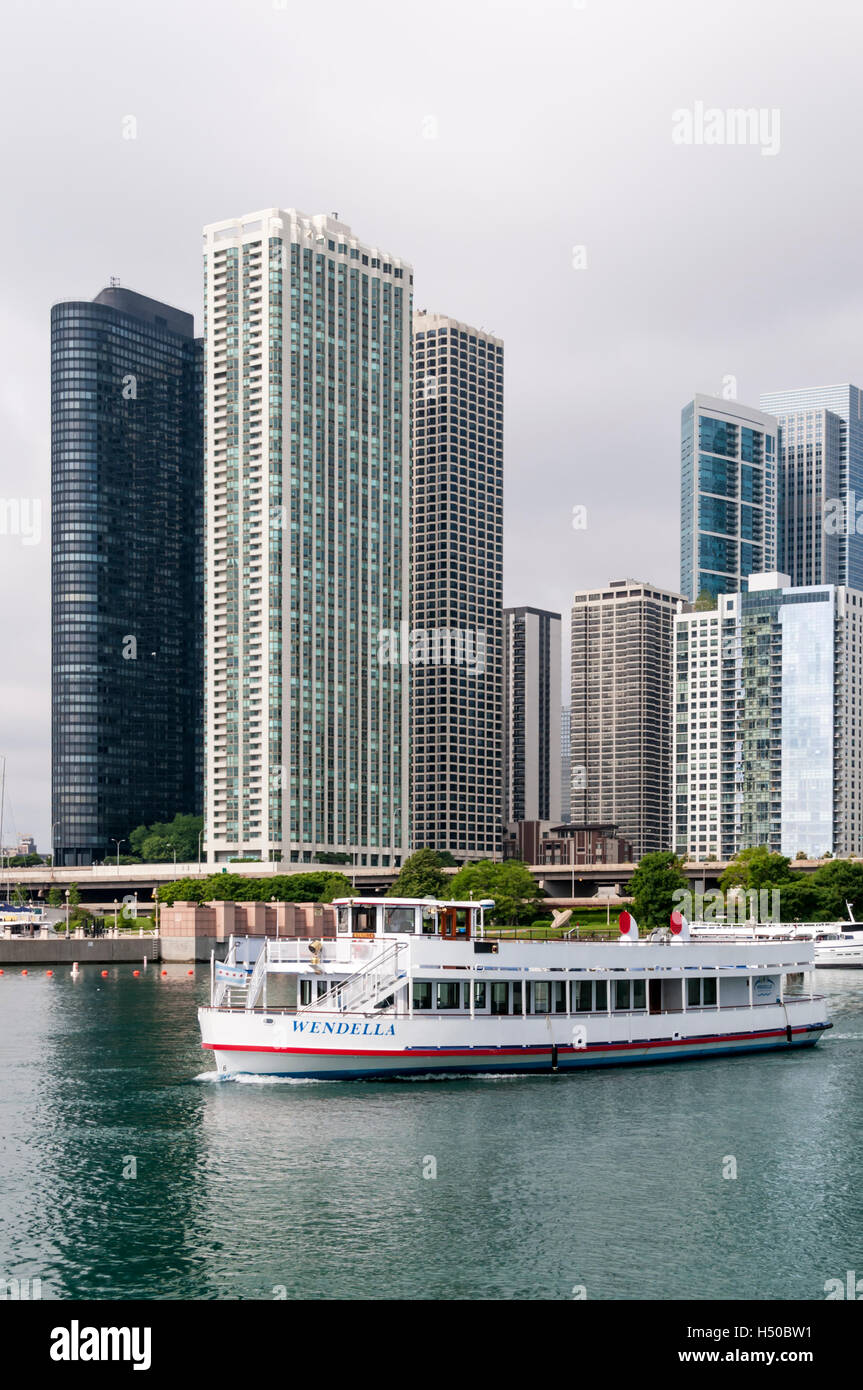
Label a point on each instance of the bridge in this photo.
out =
(101, 885)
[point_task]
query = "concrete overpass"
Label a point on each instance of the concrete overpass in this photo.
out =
(100, 885)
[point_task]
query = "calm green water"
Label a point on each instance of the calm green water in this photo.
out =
(611, 1180)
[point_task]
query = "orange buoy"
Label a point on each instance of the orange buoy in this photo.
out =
(190, 972)
(136, 972)
(104, 974)
(164, 972)
(50, 972)
(23, 972)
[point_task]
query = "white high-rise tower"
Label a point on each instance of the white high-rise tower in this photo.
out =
(308, 369)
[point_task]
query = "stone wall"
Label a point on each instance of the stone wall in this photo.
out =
(218, 921)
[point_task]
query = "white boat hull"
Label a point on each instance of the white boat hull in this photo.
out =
(280, 1045)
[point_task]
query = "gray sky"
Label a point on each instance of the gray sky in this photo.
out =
(551, 128)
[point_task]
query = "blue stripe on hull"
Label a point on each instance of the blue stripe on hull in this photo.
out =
(571, 1062)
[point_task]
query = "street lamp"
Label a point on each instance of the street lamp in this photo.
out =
(174, 848)
(118, 843)
(67, 911)
(116, 905)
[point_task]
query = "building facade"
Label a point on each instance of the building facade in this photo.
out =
(543, 842)
(565, 765)
(770, 722)
(308, 368)
(457, 589)
(727, 495)
(622, 711)
(820, 484)
(126, 558)
(531, 677)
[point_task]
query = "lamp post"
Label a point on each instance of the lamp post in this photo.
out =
(67, 911)
(118, 843)
(116, 904)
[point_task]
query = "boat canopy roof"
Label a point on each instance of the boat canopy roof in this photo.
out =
(413, 902)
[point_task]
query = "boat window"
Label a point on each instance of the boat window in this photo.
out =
(399, 919)
(516, 997)
(601, 1002)
(429, 921)
(540, 991)
(639, 994)
(621, 994)
(323, 986)
(709, 992)
(558, 995)
(364, 920)
(462, 921)
(693, 992)
(448, 994)
(343, 920)
(305, 991)
(582, 996)
(479, 994)
(422, 994)
(500, 997)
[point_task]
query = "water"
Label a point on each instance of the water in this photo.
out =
(611, 1180)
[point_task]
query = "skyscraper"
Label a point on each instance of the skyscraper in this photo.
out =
(531, 665)
(457, 587)
(127, 613)
(770, 721)
(820, 483)
(308, 344)
(727, 495)
(622, 715)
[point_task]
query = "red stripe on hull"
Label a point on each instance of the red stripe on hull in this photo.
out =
(499, 1051)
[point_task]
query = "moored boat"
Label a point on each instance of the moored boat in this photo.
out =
(409, 987)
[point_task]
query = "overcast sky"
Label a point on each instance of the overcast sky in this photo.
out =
(483, 140)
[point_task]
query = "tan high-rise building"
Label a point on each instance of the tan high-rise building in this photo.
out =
(622, 711)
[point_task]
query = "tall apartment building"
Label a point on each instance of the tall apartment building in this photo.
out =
(565, 765)
(770, 721)
(820, 483)
(308, 359)
(457, 588)
(531, 667)
(622, 711)
(727, 495)
(126, 570)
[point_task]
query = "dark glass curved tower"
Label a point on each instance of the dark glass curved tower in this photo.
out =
(127, 569)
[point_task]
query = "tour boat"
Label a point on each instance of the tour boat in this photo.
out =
(410, 987)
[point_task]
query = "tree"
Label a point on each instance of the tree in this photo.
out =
(653, 886)
(55, 897)
(705, 602)
(837, 882)
(510, 884)
(420, 877)
(756, 868)
(74, 895)
(157, 843)
(315, 887)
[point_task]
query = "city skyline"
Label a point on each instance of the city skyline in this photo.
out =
(634, 306)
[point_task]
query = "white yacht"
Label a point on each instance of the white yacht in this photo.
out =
(837, 945)
(408, 987)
